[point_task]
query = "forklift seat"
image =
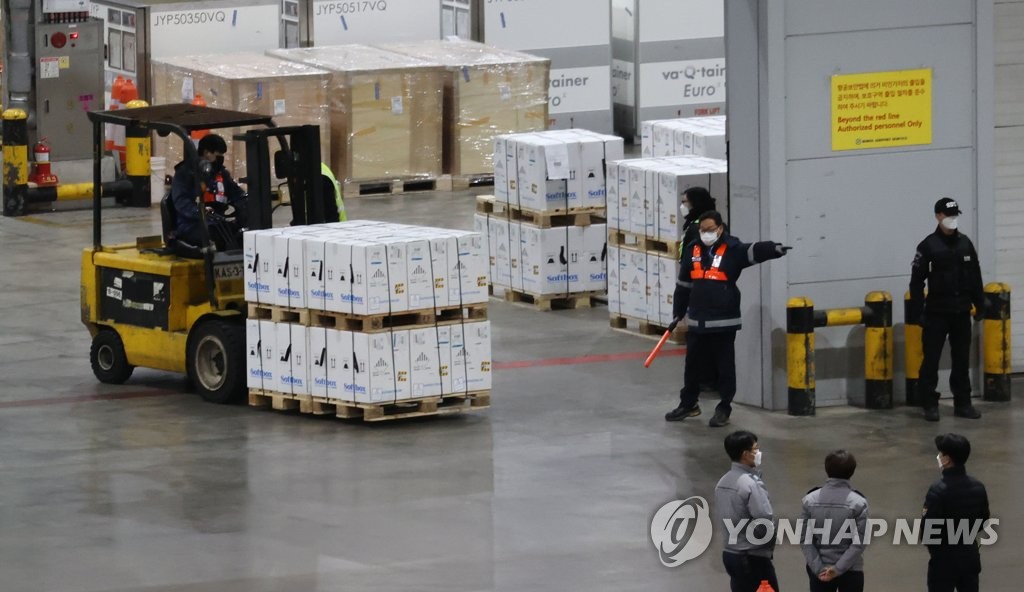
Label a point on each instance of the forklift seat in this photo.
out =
(169, 223)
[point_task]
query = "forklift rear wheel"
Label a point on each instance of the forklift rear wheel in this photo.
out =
(108, 358)
(216, 361)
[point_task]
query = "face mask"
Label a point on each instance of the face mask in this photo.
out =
(219, 163)
(938, 459)
(950, 223)
(684, 209)
(708, 238)
(757, 458)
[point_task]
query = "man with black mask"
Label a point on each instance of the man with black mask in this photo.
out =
(218, 191)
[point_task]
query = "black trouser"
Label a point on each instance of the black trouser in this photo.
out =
(935, 329)
(851, 581)
(710, 349)
(946, 574)
(747, 571)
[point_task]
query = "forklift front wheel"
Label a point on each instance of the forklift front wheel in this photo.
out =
(216, 361)
(108, 358)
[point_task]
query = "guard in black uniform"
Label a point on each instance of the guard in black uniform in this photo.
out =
(955, 562)
(707, 295)
(947, 261)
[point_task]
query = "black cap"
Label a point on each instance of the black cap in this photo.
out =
(947, 206)
(954, 446)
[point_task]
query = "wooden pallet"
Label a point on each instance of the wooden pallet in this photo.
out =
(355, 188)
(279, 314)
(546, 302)
(464, 182)
(371, 412)
(646, 328)
(485, 204)
(643, 243)
(403, 320)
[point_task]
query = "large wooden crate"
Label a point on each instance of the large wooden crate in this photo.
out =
(385, 108)
(488, 91)
(294, 94)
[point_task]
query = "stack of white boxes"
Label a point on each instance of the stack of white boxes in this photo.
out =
(365, 268)
(550, 172)
(553, 171)
(644, 196)
(700, 136)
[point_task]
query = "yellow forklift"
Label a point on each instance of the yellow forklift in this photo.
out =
(164, 304)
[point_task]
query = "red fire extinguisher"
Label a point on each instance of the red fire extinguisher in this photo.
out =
(41, 154)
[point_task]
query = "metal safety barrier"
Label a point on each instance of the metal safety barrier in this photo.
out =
(802, 319)
(995, 345)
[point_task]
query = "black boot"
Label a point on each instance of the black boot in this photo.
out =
(682, 412)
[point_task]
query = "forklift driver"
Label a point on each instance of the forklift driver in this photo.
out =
(219, 191)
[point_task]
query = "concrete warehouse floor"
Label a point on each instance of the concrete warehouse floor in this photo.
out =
(145, 487)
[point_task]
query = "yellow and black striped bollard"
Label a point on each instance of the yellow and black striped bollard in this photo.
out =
(800, 355)
(913, 349)
(878, 351)
(996, 342)
(138, 148)
(15, 151)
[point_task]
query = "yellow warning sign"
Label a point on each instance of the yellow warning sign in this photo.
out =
(64, 62)
(881, 109)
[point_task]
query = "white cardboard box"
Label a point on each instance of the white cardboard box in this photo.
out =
(543, 170)
(635, 276)
(505, 170)
(458, 359)
(370, 278)
(421, 282)
(612, 195)
(253, 361)
(339, 279)
(440, 248)
(595, 258)
(444, 355)
(637, 198)
(281, 267)
(341, 366)
(318, 360)
(258, 257)
(374, 373)
(515, 244)
(669, 272)
(403, 368)
(398, 273)
(477, 339)
(614, 283)
(292, 363)
(265, 290)
(545, 260)
(425, 362)
(300, 360)
(473, 275)
(268, 355)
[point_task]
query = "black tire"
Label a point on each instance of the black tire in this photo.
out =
(215, 361)
(108, 359)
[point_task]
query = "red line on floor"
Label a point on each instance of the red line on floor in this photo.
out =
(593, 359)
(515, 365)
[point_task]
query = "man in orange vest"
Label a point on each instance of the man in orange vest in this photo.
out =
(219, 191)
(706, 294)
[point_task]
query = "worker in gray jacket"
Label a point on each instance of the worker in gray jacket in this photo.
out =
(743, 507)
(835, 519)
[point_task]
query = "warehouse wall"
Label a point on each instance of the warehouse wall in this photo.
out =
(1009, 160)
(855, 216)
